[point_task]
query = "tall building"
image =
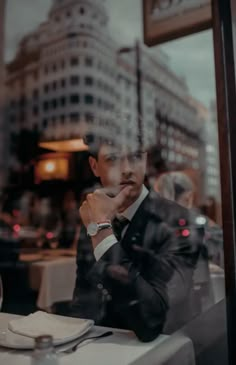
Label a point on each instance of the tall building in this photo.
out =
(3, 169)
(212, 165)
(69, 73)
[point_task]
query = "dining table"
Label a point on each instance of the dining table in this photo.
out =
(121, 348)
(52, 274)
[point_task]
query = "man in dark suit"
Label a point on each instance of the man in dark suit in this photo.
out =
(136, 271)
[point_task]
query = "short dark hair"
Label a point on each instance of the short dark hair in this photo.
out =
(95, 141)
(111, 128)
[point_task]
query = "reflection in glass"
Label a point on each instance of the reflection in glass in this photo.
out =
(76, 75)
(1, 293)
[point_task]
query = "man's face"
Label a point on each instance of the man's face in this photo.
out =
(119, 167)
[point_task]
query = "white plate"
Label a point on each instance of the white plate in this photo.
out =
(12, 340)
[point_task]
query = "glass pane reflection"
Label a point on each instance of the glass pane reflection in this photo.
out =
(87, 108)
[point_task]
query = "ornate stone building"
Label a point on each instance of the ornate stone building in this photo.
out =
(69, 73)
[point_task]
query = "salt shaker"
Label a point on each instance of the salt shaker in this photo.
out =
(44, 353)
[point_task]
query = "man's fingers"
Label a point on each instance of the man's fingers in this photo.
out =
(111, 191)
(120, 198)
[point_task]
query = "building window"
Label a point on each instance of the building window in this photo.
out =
(89, 117)
(74, 61)
(62, 119)
(45, 123)
(74, 117)
(63, 101)
(35, 93)
(22, 101)
(63, 82)
(54, 85)
(74, 80)
(88, 81)
(81, 11)
(88, 61)
(74, 99)
(45, 106)
(46, 88)
(54, 103)
(62, 64)
(89, 99)
(35, 110)
(54, 67)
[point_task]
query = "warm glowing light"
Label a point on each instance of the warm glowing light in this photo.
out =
(50, 166)
(70, 145)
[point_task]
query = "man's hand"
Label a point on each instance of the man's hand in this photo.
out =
(99, 207)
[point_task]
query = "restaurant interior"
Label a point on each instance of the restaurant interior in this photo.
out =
(160, 75)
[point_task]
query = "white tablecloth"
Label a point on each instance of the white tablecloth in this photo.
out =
(54, 279)
(122, 348)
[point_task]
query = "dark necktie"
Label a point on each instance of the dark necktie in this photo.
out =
(118, 225)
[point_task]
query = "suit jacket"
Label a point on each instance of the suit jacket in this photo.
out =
(144, 282)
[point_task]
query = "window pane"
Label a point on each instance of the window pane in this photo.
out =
(86, 107)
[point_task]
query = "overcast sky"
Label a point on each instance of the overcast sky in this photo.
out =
(190, 57)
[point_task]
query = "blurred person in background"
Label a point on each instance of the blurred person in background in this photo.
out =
(156, 165)
(211, 256)
(70, 221)
(178, 186)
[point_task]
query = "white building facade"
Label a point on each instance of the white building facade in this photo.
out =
(212, 181)
(69, 73)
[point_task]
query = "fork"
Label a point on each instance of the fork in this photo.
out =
(74, 347)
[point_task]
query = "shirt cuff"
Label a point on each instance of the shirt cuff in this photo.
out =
(104, 245)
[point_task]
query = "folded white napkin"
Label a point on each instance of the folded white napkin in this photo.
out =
(41, 323)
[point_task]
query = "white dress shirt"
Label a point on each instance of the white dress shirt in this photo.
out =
(109, 241)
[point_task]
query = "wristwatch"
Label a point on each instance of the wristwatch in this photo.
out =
(93, 227)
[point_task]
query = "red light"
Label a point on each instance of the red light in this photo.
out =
(49, 235)
(182, 222)
(16, 228)
(185, 232)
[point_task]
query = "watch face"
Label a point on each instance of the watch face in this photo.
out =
(92, 229)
